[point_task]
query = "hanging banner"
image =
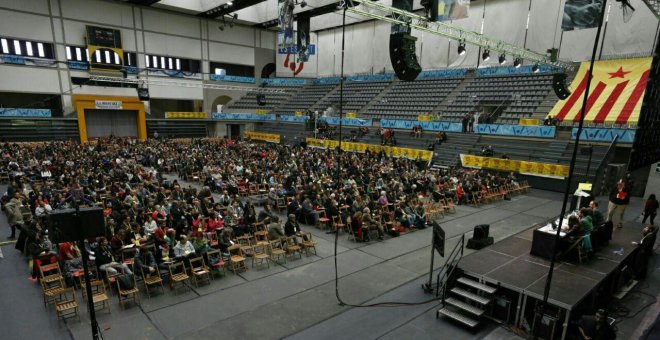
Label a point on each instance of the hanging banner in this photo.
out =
(393, 151)
(267, 137)
(108, 104)
(185, 115)
(558, 171)
(616, 95)
(581, 14)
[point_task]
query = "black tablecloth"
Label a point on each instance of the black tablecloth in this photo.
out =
(543, 244)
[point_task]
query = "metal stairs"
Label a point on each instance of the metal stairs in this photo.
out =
(467, 301)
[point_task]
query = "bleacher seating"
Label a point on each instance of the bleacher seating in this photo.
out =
(273, 100)
(304, 99)
(356, 96)
(407, 100)
(516, 96)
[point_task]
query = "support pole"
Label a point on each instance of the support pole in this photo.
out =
(546, 292)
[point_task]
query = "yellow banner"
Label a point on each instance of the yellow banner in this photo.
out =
(267, 137)
(351, 115)
(261, 111)
(361, 147)
(523, 167)
(299, 113)
(528, 121)
(425, 118)
(186, 115)
(615, 96)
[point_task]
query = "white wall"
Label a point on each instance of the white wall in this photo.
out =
(144, 30)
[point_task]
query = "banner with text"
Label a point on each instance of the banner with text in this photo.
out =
(242, 116)
(374, 148)
(347, 121)
(293, 119)
(605, 135)
(185, 115)
(516, 130)
(523, 167)
(427, 126)
(267, 137)
(17, 112)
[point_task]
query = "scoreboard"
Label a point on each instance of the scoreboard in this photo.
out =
(105, 49)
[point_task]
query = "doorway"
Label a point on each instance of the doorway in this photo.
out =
(235, 131)
(106, 123)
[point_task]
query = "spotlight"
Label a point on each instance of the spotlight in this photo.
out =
(535, 68)
(517, 62)
(229, 3)
(461, 48)
(502, 59)
(486, 55)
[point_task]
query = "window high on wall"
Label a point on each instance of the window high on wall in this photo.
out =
(158, 62)
(26, 48)
(231, 69)
(81, 54)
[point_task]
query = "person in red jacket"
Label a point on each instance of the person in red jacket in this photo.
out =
(619, 199)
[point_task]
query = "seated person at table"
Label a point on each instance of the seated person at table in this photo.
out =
(586, 220)
(574, 227)
(596, 215)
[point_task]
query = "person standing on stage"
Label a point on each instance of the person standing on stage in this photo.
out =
(650, 208)
(619, 199)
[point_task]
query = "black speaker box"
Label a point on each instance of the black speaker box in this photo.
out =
(64, 224)
(481, 231)
(403, 58)
(143, 93)
(559, 85)
(478, 244)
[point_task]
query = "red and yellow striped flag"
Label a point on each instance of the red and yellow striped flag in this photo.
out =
(615, 96)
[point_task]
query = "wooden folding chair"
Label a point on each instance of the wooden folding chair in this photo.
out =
(450, 205)
(67, 306)
(337, 224)
(152, 280)
(276, 251)
(261, 237)
(260, 254)
(200, 271)
(236, 258)
(50, 273)
(323, 220)
(127, 293)
(52, 291)
(216, 261)
(309, 244)
(281, 204)
(292, 247)
(178, 275)
(245, 242)
(99, 295)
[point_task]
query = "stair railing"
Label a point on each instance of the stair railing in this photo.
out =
(448, 269)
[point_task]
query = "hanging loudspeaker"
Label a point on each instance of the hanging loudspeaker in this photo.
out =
(261, 99)
(559, 85)
(402, 56)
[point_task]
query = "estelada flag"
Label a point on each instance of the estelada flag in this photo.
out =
(615, 95)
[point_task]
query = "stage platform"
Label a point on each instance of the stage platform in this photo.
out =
(510, 265)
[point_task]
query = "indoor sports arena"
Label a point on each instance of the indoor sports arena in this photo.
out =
(329, 169)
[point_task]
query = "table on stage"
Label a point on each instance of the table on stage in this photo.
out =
(543, 238)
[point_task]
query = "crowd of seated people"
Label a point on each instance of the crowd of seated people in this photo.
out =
(151, 221)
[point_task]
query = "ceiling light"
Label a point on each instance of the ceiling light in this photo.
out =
(229, 3)
(502, 59)
(486, 55)
(461, 48)
(517, 62)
